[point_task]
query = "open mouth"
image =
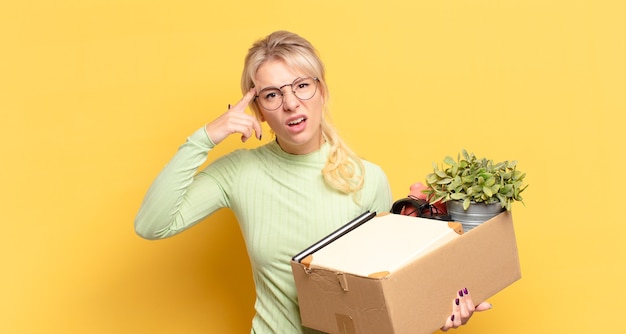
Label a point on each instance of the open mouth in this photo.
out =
(296, 121)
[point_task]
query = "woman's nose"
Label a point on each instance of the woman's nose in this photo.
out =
(290, 101)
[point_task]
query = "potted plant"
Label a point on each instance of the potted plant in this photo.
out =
(474, 189)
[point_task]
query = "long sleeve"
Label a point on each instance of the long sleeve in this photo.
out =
(178, 199)
(281, 202)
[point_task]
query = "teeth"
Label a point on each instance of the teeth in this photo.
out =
(296, 121)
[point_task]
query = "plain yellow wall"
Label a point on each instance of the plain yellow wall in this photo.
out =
(96, 96)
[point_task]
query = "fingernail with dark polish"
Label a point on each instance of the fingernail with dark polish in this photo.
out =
(456, 301)
(460, 293)
(465, 290)
(452, 318)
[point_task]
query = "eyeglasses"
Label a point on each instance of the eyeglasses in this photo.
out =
(271, 98)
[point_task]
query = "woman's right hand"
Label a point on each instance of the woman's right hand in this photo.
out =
(235, 120)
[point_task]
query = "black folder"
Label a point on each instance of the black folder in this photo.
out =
(338, 233)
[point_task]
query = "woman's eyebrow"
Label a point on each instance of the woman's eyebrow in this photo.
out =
(267, 87)
(281, 86)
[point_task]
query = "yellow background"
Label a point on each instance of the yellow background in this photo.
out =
(97, 95)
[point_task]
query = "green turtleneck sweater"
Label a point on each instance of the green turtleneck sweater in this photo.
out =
(280, 200)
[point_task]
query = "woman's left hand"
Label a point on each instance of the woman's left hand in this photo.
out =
(462, 309)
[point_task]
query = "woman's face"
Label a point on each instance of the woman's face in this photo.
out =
(296, 122)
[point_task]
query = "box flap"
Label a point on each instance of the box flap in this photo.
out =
(340, 303)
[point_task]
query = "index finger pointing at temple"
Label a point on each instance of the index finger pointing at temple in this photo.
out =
(246, 99)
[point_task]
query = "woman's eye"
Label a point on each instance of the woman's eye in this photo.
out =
(271, 95)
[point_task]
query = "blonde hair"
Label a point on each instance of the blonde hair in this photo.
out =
(344, 170)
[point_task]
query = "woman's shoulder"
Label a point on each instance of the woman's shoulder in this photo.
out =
(372, 167)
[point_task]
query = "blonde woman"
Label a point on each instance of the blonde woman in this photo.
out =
(285, 194)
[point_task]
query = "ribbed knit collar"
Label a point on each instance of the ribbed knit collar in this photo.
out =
(319, 155)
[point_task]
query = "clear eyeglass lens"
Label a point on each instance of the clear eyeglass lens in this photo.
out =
(271, 98)
(302, 88)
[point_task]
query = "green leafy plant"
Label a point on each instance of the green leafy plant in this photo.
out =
(470, 179)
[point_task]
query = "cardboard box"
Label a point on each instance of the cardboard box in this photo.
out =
(407, 289)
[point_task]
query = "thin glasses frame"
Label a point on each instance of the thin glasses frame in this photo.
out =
(279, 90)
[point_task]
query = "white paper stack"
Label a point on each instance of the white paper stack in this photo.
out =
(383, 244)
